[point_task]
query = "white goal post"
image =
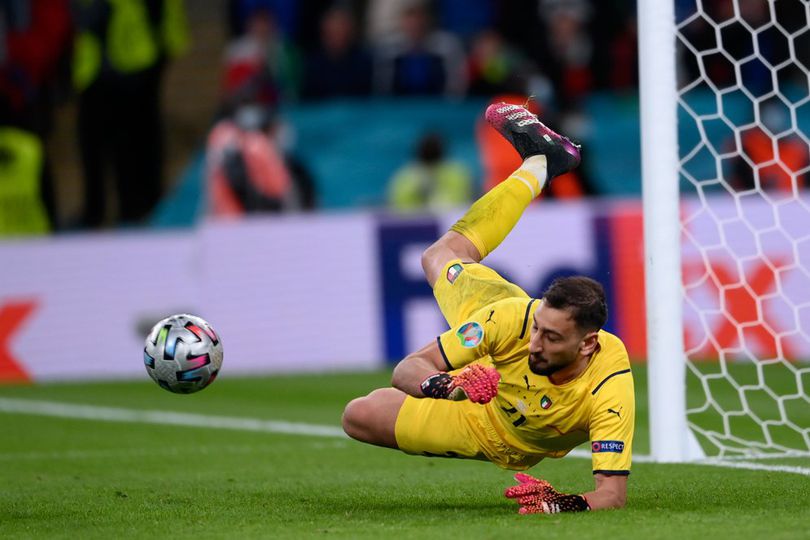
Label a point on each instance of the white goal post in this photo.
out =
(725, 130)
(662, 260)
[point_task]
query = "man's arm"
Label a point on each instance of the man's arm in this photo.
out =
(416, 367)
(610, 492)
(424, 374)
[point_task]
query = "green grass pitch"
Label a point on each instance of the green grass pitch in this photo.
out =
(77, 478)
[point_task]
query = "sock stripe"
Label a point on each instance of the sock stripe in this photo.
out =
(528, 179)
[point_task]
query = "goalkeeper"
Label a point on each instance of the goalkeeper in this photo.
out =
(515, 379)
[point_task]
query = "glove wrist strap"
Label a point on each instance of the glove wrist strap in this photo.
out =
(573, 503)
(437, 386)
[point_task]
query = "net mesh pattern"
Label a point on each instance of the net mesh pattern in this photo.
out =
(744, 146)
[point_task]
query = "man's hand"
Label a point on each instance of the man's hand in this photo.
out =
(477, 383)
(536, 496)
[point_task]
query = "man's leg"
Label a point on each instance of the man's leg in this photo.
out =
(545, 155)
(372, 419)
(428, 427)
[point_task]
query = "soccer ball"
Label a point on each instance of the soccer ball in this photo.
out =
(183, 354)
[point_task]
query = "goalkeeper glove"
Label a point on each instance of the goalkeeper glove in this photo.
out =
(536, 496)
(477, 383)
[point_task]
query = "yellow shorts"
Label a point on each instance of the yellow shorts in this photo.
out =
(474, 287)
(462, 429)
(458, 429)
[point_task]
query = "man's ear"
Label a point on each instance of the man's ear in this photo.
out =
(589, 343)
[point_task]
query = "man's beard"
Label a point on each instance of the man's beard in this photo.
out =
(545, 370)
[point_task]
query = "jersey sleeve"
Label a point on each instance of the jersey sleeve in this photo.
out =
(612, 422)
(487, 332)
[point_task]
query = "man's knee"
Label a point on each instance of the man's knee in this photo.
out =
(451, 245)
(356, 418)
(372, 418)
(433, 258)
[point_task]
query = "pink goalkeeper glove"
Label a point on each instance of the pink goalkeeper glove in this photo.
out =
(477, 383)
(536, 496)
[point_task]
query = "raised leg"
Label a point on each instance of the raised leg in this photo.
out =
(545, 155)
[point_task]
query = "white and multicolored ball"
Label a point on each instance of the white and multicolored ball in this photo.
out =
(183, 354)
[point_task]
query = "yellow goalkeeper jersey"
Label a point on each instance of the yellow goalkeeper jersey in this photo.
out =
(534, 415)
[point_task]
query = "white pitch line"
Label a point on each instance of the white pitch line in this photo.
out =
(215, 450)
(114, 414)
(750, 466)
(115, 453)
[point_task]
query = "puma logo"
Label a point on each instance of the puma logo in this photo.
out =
(491, 313)
(617, 413)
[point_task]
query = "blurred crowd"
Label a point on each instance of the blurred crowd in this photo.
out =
(555, 51)
(111, 57)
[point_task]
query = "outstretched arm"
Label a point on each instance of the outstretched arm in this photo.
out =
(416, 367)
(537, 496)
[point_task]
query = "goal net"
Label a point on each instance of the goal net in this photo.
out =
(742, 73)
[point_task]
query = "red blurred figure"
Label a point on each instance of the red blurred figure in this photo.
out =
(780, 161)
(34, 44)
(245, 170)
(777, 170)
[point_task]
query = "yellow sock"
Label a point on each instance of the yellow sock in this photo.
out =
(491, 217)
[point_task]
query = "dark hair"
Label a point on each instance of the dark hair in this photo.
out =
(583, 296)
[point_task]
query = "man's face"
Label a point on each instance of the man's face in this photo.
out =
(555, 340)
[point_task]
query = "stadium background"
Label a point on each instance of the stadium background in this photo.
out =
(352, 256)
(314, 306)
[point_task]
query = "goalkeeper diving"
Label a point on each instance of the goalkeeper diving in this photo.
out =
(515, 379)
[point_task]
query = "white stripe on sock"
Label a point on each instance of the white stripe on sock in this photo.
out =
(527, 182)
